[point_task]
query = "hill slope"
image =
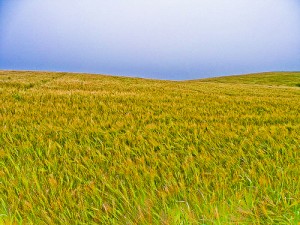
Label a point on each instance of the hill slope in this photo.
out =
(92, 149)
(271, 78)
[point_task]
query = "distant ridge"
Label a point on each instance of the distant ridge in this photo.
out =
(266, 78)
(280, 78)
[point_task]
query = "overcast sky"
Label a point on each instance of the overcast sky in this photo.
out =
(165, 39)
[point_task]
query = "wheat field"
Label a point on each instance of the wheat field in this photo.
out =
(96, 149)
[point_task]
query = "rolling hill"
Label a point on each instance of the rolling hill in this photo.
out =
(96, 149)
(271, 79)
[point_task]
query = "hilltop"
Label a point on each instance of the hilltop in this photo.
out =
(96, 149)
(270, 78)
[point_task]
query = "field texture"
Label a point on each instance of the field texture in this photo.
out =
(90, 149)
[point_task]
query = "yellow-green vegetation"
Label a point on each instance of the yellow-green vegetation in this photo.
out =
(270, 78)
(93, 149)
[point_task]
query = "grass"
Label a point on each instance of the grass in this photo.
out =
(271, 78)
(91, 149)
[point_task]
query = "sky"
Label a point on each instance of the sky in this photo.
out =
(161, 39)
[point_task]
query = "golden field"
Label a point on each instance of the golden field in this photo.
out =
(95, 149)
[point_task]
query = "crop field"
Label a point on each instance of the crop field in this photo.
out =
(96, 149)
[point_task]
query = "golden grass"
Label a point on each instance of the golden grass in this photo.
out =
(91, 149)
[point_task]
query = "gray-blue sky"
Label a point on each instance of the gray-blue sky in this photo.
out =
(166, 39)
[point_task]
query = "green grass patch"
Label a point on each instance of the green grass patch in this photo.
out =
(270, 78)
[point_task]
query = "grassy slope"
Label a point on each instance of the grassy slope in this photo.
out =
(100, 149)
(270, 78)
